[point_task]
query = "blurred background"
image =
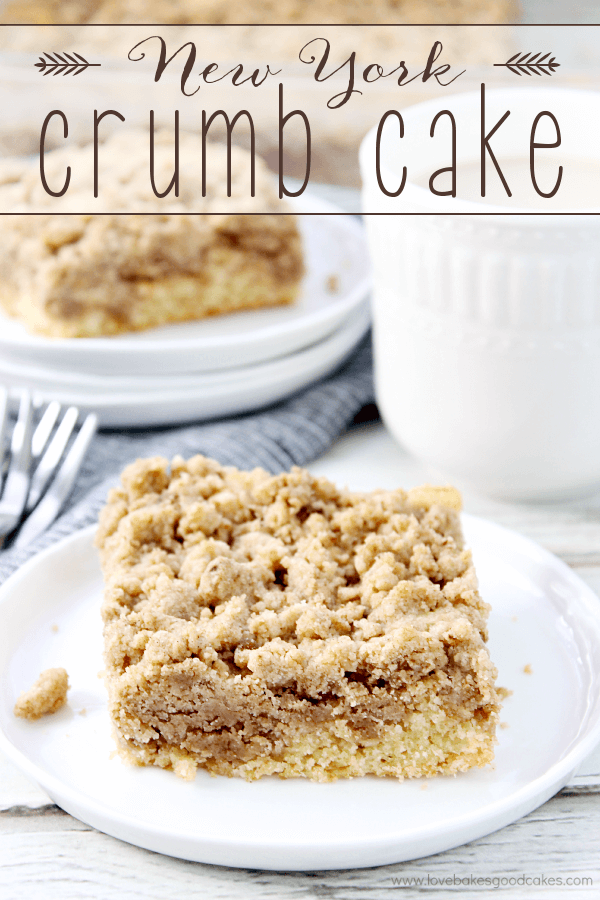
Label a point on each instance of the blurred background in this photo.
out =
(489, 33)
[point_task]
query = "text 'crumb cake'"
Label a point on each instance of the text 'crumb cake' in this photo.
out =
(258, 624)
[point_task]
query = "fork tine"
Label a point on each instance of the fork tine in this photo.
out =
(51, 457)
(44, 429)
(50, 504)
(3, 416)
(20, 445)
(16, 486)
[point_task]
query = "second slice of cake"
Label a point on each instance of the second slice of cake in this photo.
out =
(65, 272)
(259, 624)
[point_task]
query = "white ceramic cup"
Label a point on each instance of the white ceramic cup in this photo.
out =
(487, 328)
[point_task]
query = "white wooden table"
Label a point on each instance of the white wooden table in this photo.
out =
(46, 854)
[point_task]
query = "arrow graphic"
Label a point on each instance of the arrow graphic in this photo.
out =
(530, 64)
(63, 64)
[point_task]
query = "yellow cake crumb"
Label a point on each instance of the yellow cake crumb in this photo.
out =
(48, 694)
(332, 283)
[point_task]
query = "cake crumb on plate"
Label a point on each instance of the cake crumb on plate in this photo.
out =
(47, 695)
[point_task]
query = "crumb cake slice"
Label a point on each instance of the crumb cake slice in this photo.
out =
(258, 624)
(67, 273)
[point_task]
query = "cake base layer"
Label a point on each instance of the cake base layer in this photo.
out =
(230, 282)
(423, 746)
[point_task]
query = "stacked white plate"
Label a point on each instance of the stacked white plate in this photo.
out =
(216, 367)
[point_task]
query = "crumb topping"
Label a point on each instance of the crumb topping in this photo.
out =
(288, 582)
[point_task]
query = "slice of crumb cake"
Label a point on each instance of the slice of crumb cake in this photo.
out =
(67, 273)
(258, 624)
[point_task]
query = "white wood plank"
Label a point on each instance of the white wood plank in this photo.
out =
(588, 773)
(17, 789)
(557, 841)
(42, 820)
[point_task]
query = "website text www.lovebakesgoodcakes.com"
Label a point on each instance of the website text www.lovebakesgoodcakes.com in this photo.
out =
(493, 881)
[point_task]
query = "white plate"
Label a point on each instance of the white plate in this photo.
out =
(543, 616)
(334, 247)
(130, 402)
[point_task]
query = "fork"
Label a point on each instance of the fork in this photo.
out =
(40, 470)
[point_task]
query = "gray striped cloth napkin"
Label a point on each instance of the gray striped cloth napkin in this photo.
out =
(292, 433)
